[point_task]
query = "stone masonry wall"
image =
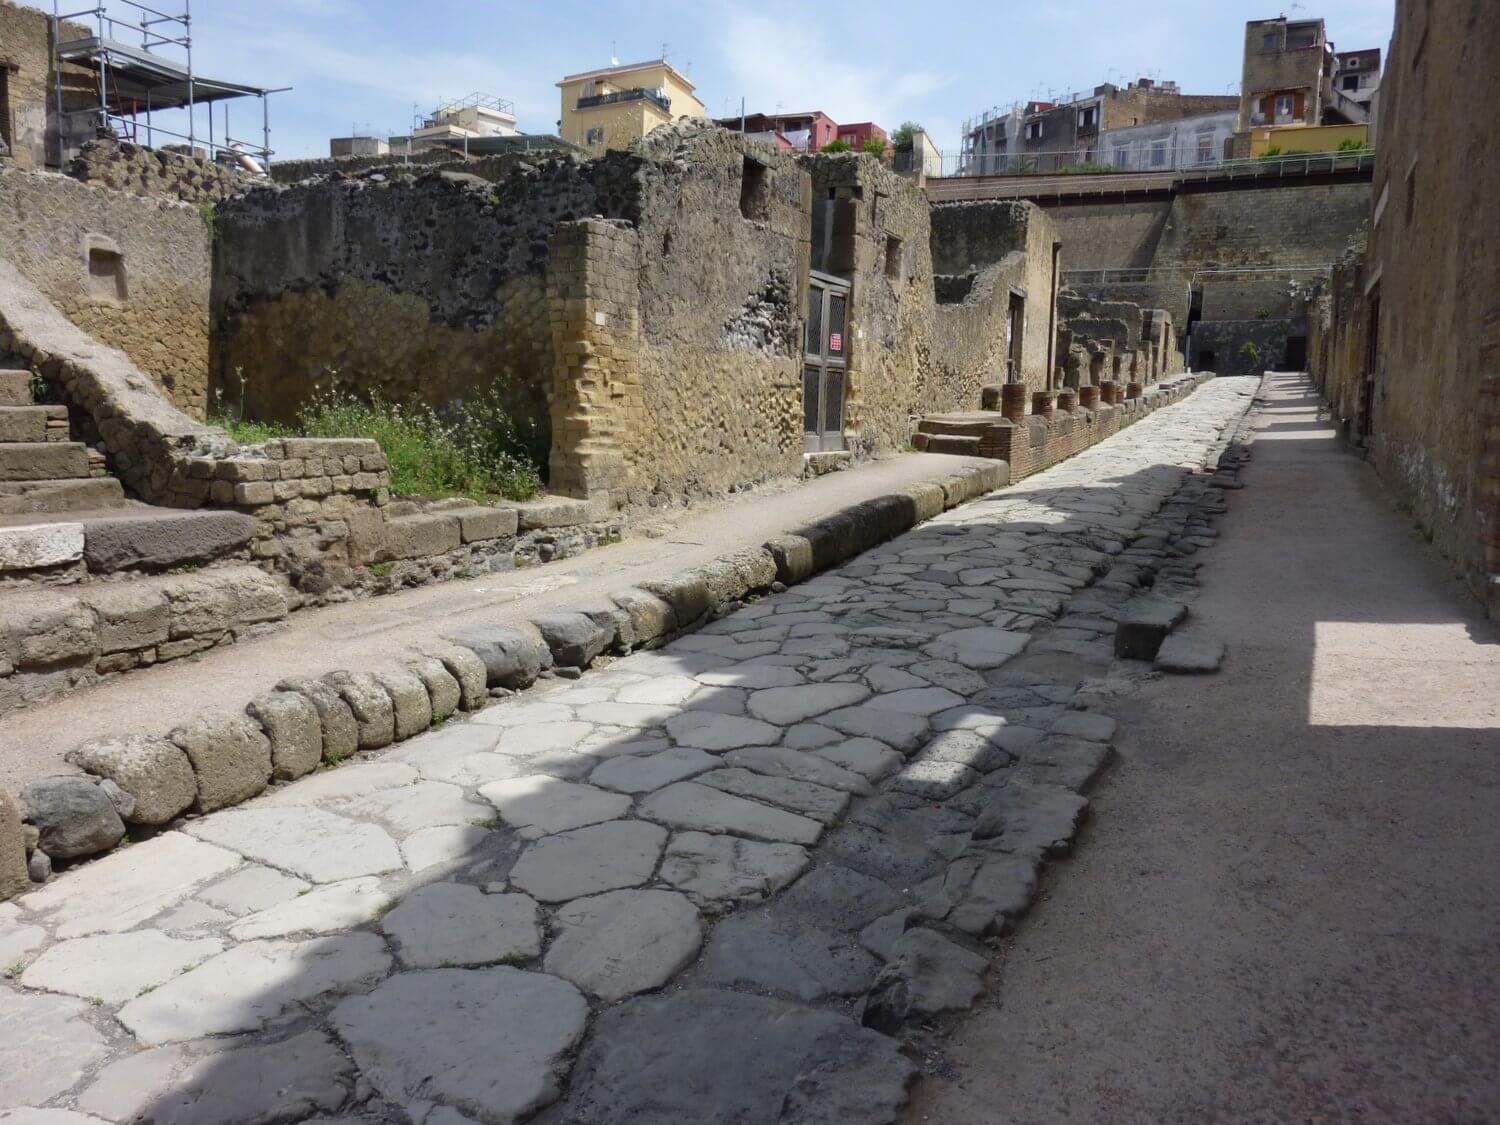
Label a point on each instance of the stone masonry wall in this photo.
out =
(140, 170)
(1227, 338)
(25, 53)
(131, 272)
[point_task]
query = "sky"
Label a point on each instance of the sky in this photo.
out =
(365, 65)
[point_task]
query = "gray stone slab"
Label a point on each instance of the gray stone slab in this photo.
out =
(816, 801)
(115, 967)
(934, 780)
(617, 944)
(312, 843)
(447, 924)
(1145, 624)
(492, 1043)
(631, 774)
(121, 543)
(587, 861)
(1187, 655)
(322, 910)
(46, 1045)
(539, 805)
(1084, 724)
(926, 976)
(982, 893)
(668, 1060)
(786, 705)
(251, 984)
(798, 765)
(706, 730)
(1070, 762)
(978, 648)
(73, 814)
(252, 889)
(1029, 818)
(901, 732)
(804, 962)
(714, 870)
(689, 805)
(447, 845)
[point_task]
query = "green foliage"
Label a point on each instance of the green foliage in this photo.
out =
(381, 570)
(1249, 351)
(209, 212)
(903, 139)
(837, 146)
(476, 450)
(1262, 314)
(1086, 166)
(875, 146)
(1272, 153)
(1352, 145)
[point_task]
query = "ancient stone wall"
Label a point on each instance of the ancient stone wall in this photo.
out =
(1301, 224)
(294, 171)
(131, 272)
(140, 170)
(26, 56)
(1337, 333)
(1120, 235)
(1227, 340)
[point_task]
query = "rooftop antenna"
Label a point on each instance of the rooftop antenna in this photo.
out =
(666, 51)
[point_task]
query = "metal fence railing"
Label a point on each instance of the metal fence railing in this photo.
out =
(1137, 158)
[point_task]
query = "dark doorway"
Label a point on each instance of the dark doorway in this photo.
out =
(824, 363)
(1017, 329)
(5, 129)
(1205, 360)
(1372, 357)
(1296, 353)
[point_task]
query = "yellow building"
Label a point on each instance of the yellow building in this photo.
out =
(1305, 138)
(609, 108)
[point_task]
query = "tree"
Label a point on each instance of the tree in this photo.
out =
(903, 138)
(837, 146)
(875, 146)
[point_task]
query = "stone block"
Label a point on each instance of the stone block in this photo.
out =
(15, 388)
(467, 668)
(928, 499)
(1146, 623)
(794, 558)
(557, 511)
(410, 701)
(486, 523)
(131, 615)
(14, 878)
(39, 545)
(323, 448)
(73, 815)
(231, 759)
(201, 605)
(574, 638)
(686, 593)
(421, 536)
(45, 460)
(442, 688)
(257, 596)
(650, 616)
(340, 733)
(513, 655)
(164, 542)
(154, 771)
(374, 713)
(45, 630)
(292, 726)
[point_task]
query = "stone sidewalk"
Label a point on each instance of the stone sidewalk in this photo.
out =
(797, 826)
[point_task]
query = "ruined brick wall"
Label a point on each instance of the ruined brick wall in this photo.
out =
(425, 286)
(130, 271)
(294, 171)
(151, 171)
(1303, 224)
(1122, 235)
(1227, 339)
(1431, 262)
(26, 54)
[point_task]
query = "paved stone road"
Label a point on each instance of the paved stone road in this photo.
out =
(714, 882)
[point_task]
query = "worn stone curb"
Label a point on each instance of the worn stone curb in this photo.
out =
(286, 733)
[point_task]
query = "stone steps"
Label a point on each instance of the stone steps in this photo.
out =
(56, 496)
(960, 444)
(33, 424)
(136, 539)
(44, 460)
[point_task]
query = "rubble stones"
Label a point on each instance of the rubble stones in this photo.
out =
(681, 1058)
(574, 638)
(294, 730)
(231, 759)
(155, 771)
(454, 924)
(410, 701)
(491, 1044)
(617, 944)
(75, 817)
(442, 688)
(468, 669)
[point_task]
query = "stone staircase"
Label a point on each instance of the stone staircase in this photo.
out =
(962, 434)
(40, 469)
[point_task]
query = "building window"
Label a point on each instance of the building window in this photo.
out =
(5, 132)
(1158, 154)
(755, 191)
(1284, 107)
(1268, 41)
(1033, 130)
(1205, 148)
(1122, 157)
(1088, 118)
(1351, 82)
(595, 136)
(893, 257)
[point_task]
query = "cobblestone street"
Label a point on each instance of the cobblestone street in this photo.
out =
(726, 880)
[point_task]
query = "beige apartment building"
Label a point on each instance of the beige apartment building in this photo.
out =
(611, 107)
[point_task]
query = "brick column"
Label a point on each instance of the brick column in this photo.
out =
(1088, 398)
(1013, 401)
(1041, 404)
(593, 308)
(1109, 392)
(1134, 390)
(1066, 401)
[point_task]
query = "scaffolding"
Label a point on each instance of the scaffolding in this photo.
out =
(133, 81)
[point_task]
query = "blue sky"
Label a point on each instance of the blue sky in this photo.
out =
(366, 63)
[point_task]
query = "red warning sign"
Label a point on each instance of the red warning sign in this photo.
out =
(835, 342)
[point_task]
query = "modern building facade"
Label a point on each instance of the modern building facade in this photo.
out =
(1288, 77)
(616, 105)
(803, 131)
(1187, 142)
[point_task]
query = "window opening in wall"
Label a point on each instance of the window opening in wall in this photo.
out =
(1411, 195)
(1205, 148)
(1158, 154)
(1088, 118)
(893, 257)
(106, 274)
(1033, 130)
(1205, 360)
(1283, 107)
(1268, 41)
(1372, 358)
(1016, 327)
(666, 245)
(1351, 82)
(595, 136)
(755, 191)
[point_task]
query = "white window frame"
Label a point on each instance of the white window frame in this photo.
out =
(1291, 107)
(1033, 130)
(1159, 154)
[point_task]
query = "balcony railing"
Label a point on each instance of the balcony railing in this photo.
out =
(640, 93)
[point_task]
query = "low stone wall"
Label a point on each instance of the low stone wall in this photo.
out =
(139, 170)
(54, 640)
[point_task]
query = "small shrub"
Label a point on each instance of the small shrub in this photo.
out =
(903, 139)
(1272, 153)
(382, 570)
(1086, 166)
(837, 146)
(1249, 351)
(1352, 145)
(1263, 314)
(875, 146)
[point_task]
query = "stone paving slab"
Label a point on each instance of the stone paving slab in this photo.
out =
(668, 891)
